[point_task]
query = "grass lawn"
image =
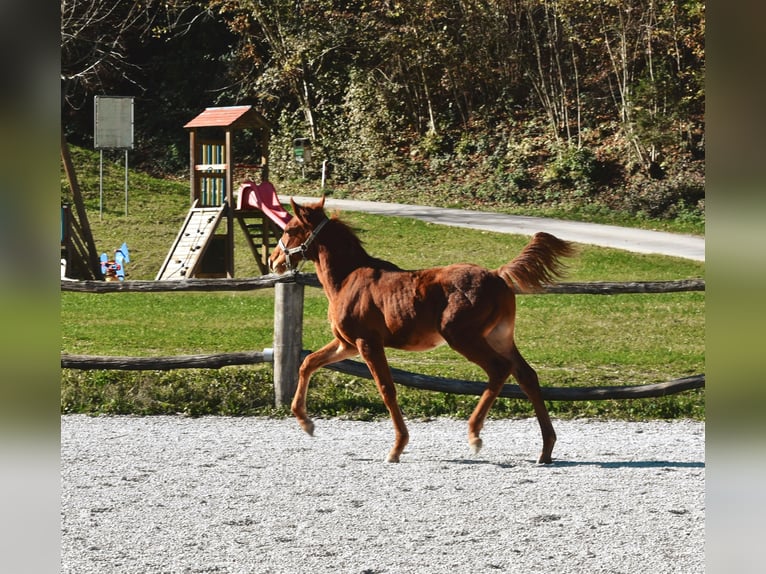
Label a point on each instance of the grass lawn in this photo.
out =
(570, 339)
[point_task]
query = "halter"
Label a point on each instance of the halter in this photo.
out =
(302, 248)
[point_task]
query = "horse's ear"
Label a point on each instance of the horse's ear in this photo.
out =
(299, 211)
(304, 212)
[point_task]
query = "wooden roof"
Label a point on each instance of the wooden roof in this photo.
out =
(236, 117)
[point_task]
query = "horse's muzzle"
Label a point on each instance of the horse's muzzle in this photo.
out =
(275, 265)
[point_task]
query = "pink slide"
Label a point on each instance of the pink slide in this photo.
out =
(263, 197)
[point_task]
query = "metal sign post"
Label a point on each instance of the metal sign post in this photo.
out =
(113, 129)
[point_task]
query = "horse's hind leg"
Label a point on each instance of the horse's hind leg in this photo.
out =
(498, 369)
(526, 376)
(375, 357)
(476, 422)
(331, 353)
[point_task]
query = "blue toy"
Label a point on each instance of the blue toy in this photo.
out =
(114, 270)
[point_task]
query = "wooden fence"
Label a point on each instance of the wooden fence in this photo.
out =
(287, 351)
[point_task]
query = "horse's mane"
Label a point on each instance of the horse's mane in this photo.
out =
(354, 247)
(349, 234)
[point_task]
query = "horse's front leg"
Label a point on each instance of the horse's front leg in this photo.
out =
(375, 356)
(332, 352)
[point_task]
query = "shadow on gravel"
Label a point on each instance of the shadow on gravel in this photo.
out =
(630, 464)
(478, 461)
(660, 464)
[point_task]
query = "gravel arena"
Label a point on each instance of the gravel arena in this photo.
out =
(257, 495)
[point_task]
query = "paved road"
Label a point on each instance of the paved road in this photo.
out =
(628, 239)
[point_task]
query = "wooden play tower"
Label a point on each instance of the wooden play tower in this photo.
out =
(201, 248)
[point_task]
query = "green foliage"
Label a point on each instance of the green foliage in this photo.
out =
(411, 90)
(573, 167)
(680, 194)
(366, 139)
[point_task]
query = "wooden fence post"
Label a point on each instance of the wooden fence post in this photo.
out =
(288, 340)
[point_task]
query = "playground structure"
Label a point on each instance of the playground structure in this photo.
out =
(79, 259)
(201, 248)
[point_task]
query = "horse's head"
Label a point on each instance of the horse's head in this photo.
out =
(295, 245)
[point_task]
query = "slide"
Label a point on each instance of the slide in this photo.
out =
(263, 197)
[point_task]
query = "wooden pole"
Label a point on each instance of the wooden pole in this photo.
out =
(229, 183)
(288, 340)
(193, 190)
(265, 134)
(92, 264)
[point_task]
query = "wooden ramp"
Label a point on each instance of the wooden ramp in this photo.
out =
(191, 243)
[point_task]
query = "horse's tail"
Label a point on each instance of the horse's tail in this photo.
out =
(537, 264)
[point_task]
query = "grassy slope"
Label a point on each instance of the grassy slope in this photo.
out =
(570, 339)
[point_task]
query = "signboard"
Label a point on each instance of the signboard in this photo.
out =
(302, 150)
(113, 126)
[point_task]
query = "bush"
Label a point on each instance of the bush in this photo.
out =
(573, 167)
(679, 193)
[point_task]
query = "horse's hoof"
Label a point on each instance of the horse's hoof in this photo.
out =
(545, 459)
(308, 426)
(475, 444)
(392, 457)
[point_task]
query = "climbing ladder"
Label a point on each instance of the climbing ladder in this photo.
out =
(261, 235)
(183, 260)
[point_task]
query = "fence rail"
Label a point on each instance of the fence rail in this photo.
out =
(288, 323)
(310, 280)
(202, 361)
(406, 378)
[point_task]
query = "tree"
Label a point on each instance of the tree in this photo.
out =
(385, 84)
(166, 53)
(94, 41)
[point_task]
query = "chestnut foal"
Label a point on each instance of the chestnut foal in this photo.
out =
(373, 304)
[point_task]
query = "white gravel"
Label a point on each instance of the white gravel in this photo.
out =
(255, 495)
